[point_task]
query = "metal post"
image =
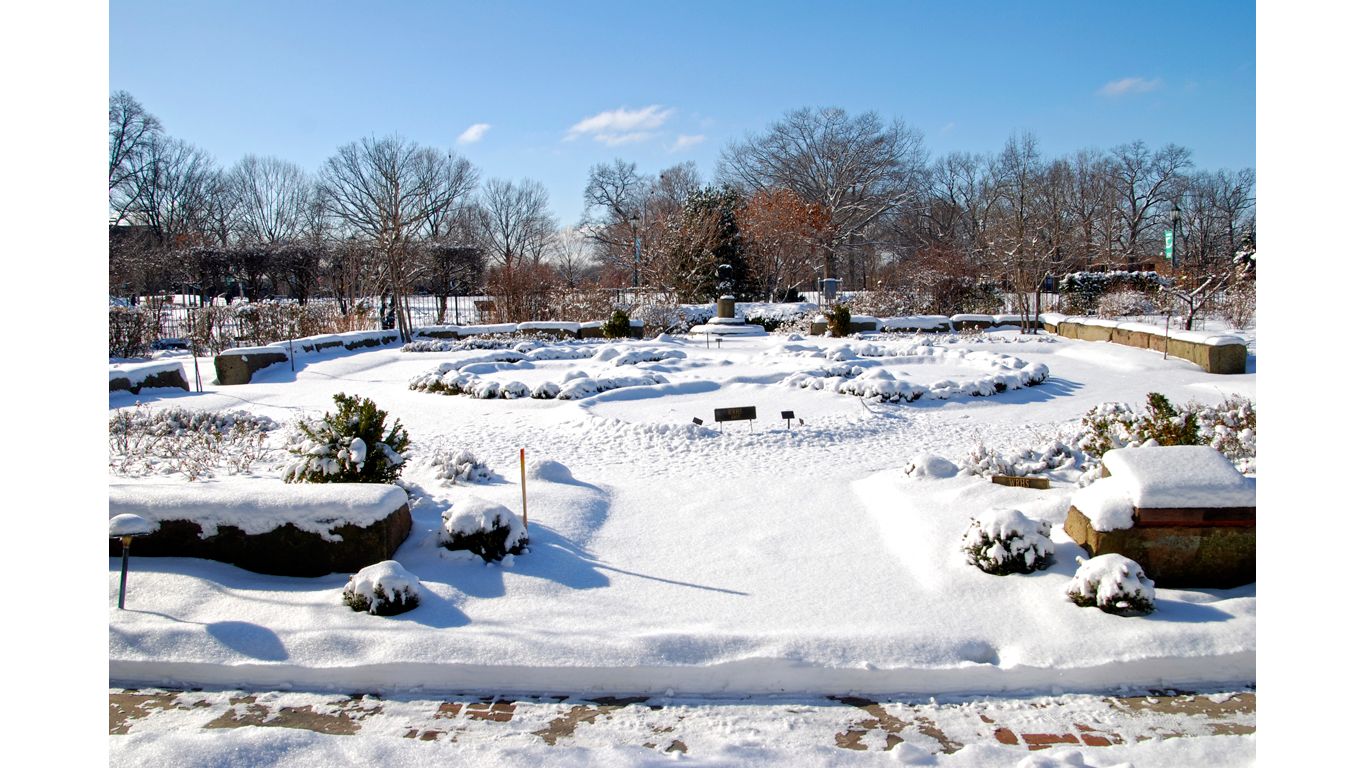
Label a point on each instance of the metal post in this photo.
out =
(123, 573)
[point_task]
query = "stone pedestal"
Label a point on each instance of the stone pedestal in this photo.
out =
(725, 307)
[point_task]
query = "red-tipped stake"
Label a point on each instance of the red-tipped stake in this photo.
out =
(524, 523)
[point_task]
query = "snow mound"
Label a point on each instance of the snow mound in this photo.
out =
(130, 525)
(930, 466)
(549, 471)
(383, 589)
(1112, 583)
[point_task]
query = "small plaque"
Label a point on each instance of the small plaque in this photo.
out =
(1037, 483)
(743, 413)
(788, 415)
(697, 421)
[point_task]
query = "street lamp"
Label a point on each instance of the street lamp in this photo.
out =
(635, 236)
(1176, 230)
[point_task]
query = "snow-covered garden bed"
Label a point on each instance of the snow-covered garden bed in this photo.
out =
(665, 555)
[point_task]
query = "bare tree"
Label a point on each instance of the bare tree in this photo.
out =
(132, 132)
(383, 190)
(515, 228)
(855, 168)
(1143, 182)
(571, 254)
(272, 199)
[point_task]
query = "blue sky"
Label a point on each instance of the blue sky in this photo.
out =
(561, 86)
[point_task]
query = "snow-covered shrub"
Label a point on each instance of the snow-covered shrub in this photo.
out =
(1116, 425)
(1238, 306)
(1021, 462)
(483, 527)
(350, 446)
(460, 466)
(1231, 427)
(546, 390)
(837, 321)
(1125, 303)
(1004, 541)
(1082, 291)
(618, 326)
(189, 442)
(383, 589)
(1113, 583)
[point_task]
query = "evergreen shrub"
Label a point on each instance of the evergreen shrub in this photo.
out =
(350, 446)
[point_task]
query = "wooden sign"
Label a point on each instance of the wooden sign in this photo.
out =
(742, 413)
(1037, 483)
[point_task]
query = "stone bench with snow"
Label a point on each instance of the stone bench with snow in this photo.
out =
(135, 377)
(1183, 512)
(268, 526)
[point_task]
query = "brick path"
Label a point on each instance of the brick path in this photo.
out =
(698, 725)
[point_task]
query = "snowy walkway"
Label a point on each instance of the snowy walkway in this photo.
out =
(300, 729)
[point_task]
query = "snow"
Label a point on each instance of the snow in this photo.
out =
(128, 524)
(388, 578)
(1106, 504)
(715, 559)
(137, 373)
(472, 514)
(930, 466)
(258, 505)
(1179, 476)
(1110, 579)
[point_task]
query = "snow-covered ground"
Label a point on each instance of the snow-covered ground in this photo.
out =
(668, 557)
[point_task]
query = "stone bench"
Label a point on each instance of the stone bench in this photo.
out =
(1183, 512)
(266, 526)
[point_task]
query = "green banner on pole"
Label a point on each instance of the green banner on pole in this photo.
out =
(1168, 233)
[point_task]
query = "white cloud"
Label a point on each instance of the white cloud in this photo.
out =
(1129, 85)
(686, 140)
(621, 126)
(474, 133)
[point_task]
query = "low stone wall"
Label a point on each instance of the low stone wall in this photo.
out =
(283, 550)
(590, 330)
(135, 378)
(236, 366)
(1215, 353)
(1179, 556)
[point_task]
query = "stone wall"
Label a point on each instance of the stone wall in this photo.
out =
(1213, 352)
(284, 551)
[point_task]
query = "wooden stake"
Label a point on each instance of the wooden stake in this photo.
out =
(523, 455)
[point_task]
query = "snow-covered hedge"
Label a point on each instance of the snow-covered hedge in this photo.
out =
(1005, 541)
(1002, 372)
(350, 446)
(483, 527)
(1113, 583)
(383, 589)
(192, 443)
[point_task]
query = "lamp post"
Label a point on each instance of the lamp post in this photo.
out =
(1176, 230)
(635, 264)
